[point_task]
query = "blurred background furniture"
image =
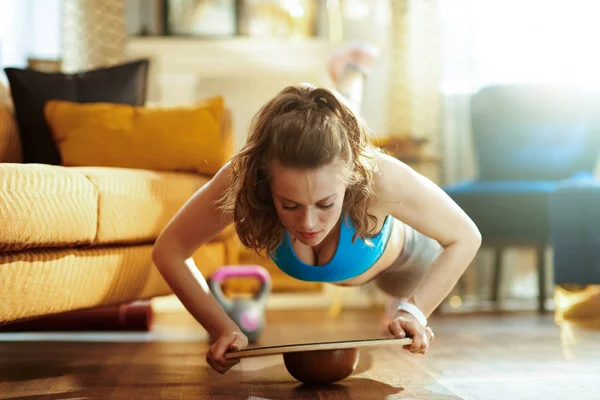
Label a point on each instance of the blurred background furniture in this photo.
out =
(527, 139)
(574, 216)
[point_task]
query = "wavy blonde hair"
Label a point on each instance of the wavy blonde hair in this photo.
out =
(303, 127)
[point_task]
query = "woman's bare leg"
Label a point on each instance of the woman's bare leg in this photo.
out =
(349, 68)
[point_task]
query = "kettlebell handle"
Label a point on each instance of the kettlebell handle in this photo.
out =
(217, 291)
(252, 271)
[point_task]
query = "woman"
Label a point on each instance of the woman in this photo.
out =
(309, 189)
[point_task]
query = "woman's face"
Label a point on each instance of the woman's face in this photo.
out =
(308, 201)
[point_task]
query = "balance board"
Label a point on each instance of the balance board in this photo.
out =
(315, 346)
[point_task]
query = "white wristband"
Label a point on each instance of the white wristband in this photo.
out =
(414, 311)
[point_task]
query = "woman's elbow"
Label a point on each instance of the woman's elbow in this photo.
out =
(475, 238)
(158, 254)
(470, 234)
(162, 252)
(469, 239)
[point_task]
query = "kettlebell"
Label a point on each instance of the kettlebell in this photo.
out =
(248, 314)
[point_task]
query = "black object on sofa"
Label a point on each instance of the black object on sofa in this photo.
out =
(31, 89)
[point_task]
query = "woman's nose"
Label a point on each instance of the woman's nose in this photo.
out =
(308, 219)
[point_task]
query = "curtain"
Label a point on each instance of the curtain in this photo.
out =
(29, 29)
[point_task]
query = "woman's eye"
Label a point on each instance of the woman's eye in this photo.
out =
(326, 205)
(289, 208)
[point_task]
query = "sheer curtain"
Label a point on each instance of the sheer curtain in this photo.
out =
(29, 29)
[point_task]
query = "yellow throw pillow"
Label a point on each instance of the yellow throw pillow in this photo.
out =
(183, 138)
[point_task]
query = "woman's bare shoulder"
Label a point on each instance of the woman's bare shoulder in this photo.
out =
(208, 196)
(389, 175)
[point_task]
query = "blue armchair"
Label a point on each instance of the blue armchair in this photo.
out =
(527, 139)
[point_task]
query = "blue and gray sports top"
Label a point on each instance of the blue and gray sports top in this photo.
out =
(350, 259)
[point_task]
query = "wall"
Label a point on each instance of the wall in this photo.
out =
(143, 15)
(246, 72)
(360, 23)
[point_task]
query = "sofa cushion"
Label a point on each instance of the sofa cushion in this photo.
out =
(5, 97)
(10, 143)
(134, 205)
(45, 206)
(45, 281)
(176, 138)
(30, 89)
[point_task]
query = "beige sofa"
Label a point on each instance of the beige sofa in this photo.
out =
(81, 237)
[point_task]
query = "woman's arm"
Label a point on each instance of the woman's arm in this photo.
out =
(420, 203)
(196, 223)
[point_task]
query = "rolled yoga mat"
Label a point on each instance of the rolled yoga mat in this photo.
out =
(135, 316)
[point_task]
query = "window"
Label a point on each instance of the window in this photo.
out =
(502, 41)
(29, 29)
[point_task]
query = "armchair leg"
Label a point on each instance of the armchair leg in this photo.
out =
(541, 270)
(497, 273)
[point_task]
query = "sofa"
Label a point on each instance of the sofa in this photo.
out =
(76, 236)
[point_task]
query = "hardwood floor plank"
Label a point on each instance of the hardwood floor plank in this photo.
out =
(516, 356)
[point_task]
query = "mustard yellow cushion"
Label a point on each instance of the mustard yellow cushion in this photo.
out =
(183, 138)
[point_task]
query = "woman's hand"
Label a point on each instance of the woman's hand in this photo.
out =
(227, 341)
(404, 324)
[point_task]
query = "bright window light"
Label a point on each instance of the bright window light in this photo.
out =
(507, 41)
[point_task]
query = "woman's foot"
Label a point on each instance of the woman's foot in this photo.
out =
(359, 55)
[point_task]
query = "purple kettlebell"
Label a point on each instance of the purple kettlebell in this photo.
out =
(248, 314)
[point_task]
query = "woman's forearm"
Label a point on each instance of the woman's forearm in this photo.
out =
(443, 274)
(191, 288)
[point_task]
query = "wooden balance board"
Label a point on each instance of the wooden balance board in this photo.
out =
(293, 348)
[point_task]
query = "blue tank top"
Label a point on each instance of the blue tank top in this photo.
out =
(349, 260)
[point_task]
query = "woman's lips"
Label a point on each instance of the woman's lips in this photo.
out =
(309, 235)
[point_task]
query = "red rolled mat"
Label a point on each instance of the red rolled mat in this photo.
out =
(136, 316)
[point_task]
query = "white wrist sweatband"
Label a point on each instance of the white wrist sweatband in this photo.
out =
(414, 311)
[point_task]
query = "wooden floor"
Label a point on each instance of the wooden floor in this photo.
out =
(478, 357)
